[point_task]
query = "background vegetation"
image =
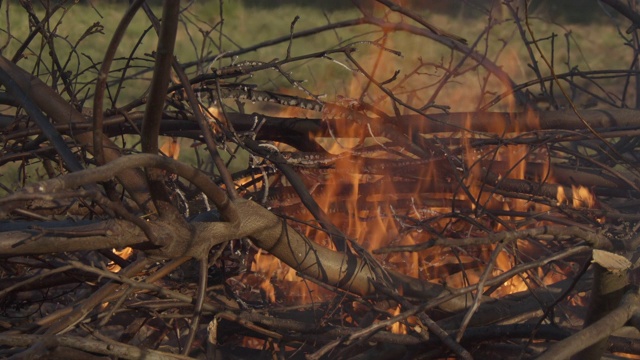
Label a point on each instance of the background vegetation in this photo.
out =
(585, 30)
(586, 39)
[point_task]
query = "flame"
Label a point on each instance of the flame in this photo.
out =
(124, 253)
(269, 290)
(582, 197)
(383, 208)
(561, 196)
(397, 327)
(215, 112)
(171, 148)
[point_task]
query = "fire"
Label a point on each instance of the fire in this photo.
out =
(171, 148)
(379, 202)
(124, 253)
(561, 196)
(398, 327)
(379, 208)
(582, 197)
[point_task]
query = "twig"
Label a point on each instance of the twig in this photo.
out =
(479, 290)
(101, 81)
(197, 311)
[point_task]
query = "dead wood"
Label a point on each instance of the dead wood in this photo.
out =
(346, 226)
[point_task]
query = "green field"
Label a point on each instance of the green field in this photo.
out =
(592, 46)
(202, 36)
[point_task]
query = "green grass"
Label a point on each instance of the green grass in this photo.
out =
(244, 26)
(594, 46)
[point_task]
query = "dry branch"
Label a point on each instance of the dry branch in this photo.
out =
(408, 223)
(598, 331)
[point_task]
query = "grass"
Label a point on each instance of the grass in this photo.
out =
(243, 26)
(592, 46)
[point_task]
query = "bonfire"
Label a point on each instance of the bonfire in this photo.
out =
(429, 208)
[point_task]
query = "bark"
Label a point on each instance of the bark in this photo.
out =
(598, 331)
(610, 281)
(111, 348)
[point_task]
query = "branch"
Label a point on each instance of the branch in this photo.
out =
(416, 17)
(626, 11)
(599, 331)
(101, 81)
(47, 128)
(155, 106)
(103, 235)
(52, 104)
(111, 348)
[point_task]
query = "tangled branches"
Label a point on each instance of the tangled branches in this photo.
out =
(374, 221)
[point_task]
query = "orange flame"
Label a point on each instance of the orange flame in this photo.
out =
(397, 327)
(376, 220)
(582, 197)
(124, 253)
(171, 148)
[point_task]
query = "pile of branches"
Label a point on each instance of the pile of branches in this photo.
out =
(194, 230)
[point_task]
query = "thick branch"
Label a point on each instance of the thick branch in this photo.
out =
(499, 122)
(111, 348)
(600, 330)
(103, 235)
